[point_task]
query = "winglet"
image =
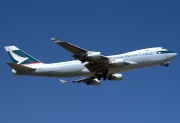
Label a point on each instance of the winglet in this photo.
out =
(53, 39)
(63, 81)
(19, 67)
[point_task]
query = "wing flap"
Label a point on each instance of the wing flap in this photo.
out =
(19, 67)
(85, 80)
(89, 81)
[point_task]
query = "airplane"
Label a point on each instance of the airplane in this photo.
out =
(93, 65)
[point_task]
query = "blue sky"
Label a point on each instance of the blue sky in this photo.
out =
(111, 27)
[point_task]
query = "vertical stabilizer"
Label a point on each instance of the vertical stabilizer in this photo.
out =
(20, 57)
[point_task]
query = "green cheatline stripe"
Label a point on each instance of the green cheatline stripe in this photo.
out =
(162, 52)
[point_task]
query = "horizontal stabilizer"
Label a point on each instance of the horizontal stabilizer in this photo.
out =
(19, 67)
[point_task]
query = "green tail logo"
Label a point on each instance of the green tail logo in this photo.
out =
(20, 57)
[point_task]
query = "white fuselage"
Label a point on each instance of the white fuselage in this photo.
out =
(139, 59)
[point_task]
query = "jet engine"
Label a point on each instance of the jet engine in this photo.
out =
(94, 55)
(118, 62)
(94, 82)
(116, 77)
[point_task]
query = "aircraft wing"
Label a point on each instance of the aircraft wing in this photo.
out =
(70, 47)
(89, 81)
(93, 61)
(81, 54)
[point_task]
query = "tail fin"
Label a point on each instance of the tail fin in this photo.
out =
(20, 57)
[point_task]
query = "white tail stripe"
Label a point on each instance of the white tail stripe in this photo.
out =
(17, 57)
(11, 48)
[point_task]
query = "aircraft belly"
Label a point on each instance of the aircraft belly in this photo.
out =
(61, 71)
(67, 71)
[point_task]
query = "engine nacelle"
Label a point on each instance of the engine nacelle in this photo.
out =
(116, 77)
(94, 82)
(94, 55)
(118, 62)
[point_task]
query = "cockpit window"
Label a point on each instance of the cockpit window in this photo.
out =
(163, 49)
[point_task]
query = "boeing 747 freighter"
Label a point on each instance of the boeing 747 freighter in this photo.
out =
(93, 65)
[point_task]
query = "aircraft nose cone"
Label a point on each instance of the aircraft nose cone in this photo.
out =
(174, 55)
